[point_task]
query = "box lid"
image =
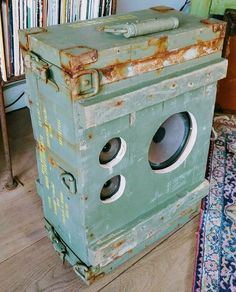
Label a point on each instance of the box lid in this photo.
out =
(84, 45)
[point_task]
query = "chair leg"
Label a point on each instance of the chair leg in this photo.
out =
(11, 182)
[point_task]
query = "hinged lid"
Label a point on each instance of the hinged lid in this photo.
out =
(86, 45)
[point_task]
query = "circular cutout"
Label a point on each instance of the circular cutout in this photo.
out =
(172, 142)
(113, 189)
(112, 152)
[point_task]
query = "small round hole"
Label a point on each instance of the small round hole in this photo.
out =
(113, 189)
(190, 84)
(112, 152)
(173, 85)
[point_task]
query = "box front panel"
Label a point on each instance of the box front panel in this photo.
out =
(144, 189)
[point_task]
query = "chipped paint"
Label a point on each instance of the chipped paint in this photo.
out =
(74, 59)
(104, 253)
(159, 60)
(216, 25)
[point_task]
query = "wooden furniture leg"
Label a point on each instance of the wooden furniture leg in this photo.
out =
(11, 182)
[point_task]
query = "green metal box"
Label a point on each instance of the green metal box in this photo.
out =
(121, 109)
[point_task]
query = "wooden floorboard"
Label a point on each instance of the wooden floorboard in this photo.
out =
(28, 261)
(20, 210)
(168, 268)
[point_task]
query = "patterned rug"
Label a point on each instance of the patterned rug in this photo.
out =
(215, 266)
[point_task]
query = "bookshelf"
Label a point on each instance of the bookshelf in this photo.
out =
(22, 14)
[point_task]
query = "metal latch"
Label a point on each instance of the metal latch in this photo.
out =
(40, 67)
(57, 244)
(69, 182)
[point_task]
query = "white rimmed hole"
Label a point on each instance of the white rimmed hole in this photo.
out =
(112, 152)
(113, 189)
(173, 142)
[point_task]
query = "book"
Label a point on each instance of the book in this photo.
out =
(84, 8)
(5, 38)
(16, 49)
(2, 53)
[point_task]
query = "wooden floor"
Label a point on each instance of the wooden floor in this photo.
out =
(28, 261)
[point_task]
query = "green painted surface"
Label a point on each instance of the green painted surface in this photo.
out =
(219, 6)
(200, 8)
(204, 8)
(131, 103)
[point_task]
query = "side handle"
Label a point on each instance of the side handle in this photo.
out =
(144, 27)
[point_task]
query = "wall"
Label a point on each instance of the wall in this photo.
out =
(11, 93)
(131, 5)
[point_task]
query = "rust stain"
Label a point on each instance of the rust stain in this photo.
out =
(119, 243)
(162, 9)
(41, 147)
(162, 58)
(90, 136)
(118, 70)
(94, 277)
(161, 44)
(119, 103)
(52, 162)
(76, 62)
(216, 26)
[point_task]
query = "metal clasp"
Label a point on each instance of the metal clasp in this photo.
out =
(40, 67)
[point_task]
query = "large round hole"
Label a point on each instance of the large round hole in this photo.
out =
(113, 189)
(112, 152)
(172, 142)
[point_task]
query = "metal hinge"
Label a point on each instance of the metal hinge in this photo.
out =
(40, 67)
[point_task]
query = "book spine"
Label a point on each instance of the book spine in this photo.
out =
(2, 53)
(96, 8)
(44, 12)
(63, 12)
(77, 10)
(21, 26)
(15, 10)
(103, 7)
(6, 36)
(84, 8)
(40, 13)
(10, 36)
(110, 8)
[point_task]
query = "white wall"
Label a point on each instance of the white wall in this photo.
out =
(132, 5)
(12, 92)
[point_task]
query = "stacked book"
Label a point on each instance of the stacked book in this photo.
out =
(21, 14)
